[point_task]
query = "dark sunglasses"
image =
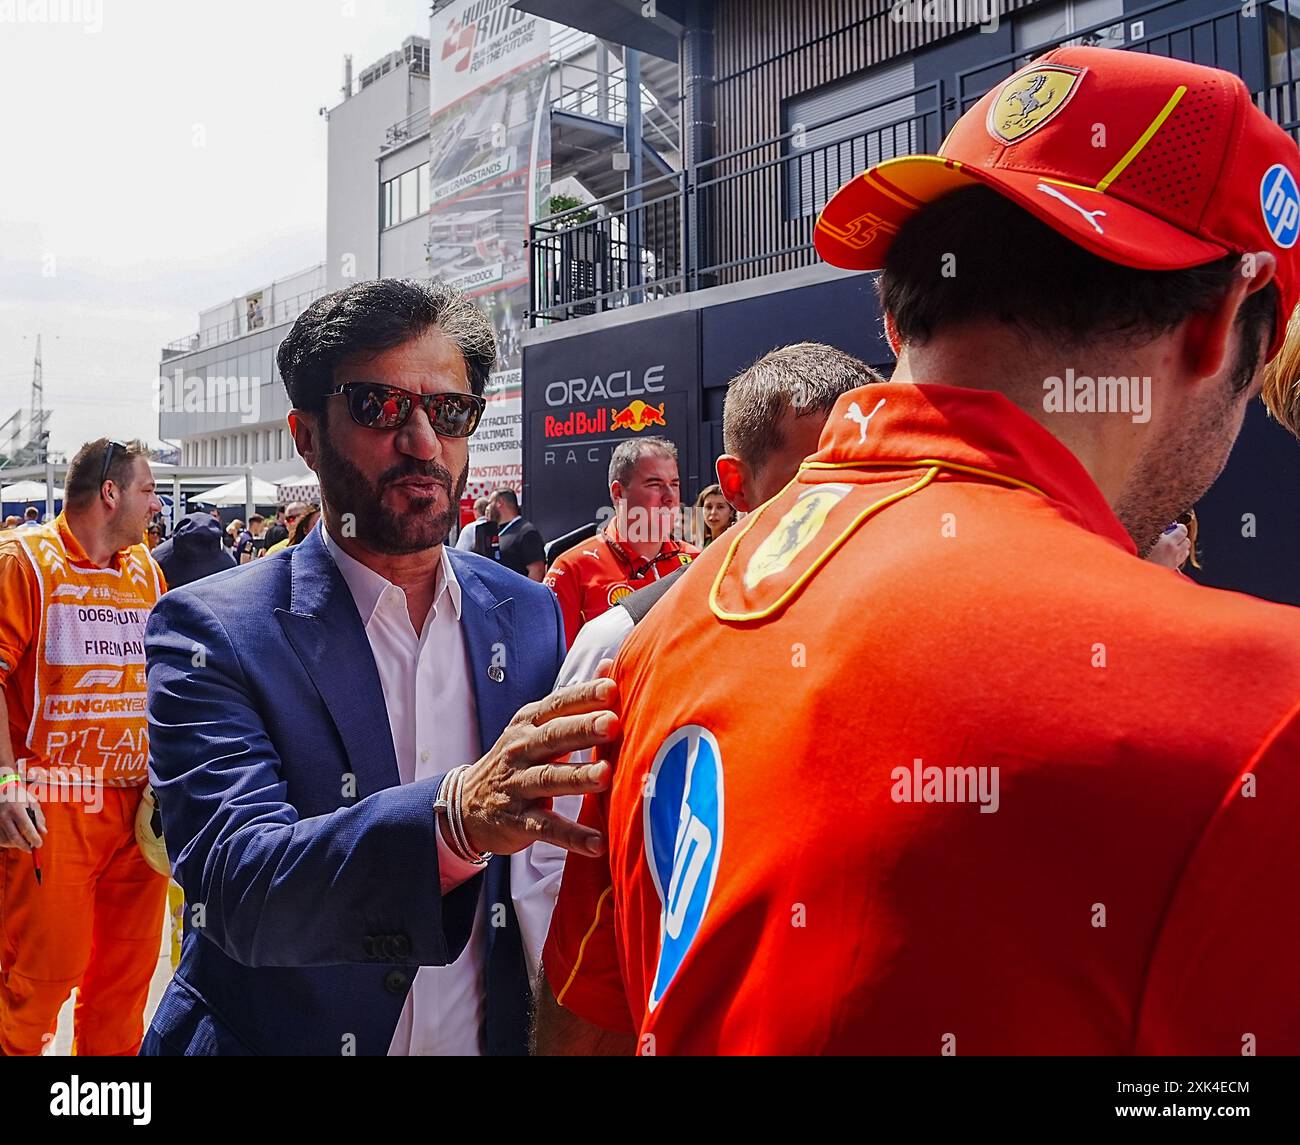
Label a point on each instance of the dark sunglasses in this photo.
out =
(376, 406)
(108, 460)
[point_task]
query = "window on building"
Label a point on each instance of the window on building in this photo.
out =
(1283, 22)
(406, 197)
(840, 130)
(1052, 25)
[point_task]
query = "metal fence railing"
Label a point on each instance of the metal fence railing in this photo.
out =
(627, 248)
(751, 212)
(649, 241)
(261, 319)
(1230, 38)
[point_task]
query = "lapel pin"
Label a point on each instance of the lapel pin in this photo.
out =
(496, 673)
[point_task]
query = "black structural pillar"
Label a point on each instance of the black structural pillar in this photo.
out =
(633, 145)
(699, 123)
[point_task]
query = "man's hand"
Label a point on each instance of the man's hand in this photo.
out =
(506, 796)
(1172, 548)
(16, 827)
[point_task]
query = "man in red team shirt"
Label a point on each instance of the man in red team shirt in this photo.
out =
(637, 547)
(922, 760)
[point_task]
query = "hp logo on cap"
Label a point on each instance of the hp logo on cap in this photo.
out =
(1279, 198)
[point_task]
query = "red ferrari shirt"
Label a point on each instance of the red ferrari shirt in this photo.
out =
(592, 577)
(922, 759)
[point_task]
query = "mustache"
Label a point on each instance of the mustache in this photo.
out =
(425, 471)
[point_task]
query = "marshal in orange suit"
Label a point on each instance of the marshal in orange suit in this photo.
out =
(74, 597)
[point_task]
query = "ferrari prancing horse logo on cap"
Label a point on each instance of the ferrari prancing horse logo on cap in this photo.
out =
(1030, 100)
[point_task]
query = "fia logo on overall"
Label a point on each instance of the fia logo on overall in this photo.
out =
(683, 818)
(1279, 199)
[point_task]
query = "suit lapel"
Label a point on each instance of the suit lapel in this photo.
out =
(489, 627)
(324, 628)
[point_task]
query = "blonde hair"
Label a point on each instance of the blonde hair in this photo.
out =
(1282, 378)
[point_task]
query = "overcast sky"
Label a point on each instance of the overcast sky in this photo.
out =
(154, 162)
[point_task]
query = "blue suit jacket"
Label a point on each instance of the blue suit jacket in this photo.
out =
(310, 908)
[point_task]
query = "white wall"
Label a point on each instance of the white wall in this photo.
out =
(357, 129)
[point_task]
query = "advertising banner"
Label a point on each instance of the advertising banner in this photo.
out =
(490, 174)
(587, 393)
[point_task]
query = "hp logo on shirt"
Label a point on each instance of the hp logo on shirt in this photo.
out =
(683, 842)
(1279, 198)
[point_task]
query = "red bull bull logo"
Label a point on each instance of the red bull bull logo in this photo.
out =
(638, 416)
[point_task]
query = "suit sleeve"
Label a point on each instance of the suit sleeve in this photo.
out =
(562, 579)
(581, 953)
(277, 889)
(1223, 968)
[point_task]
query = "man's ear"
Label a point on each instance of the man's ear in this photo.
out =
(305, 429)
(891, 334)
(1209, 336)
(733, 476)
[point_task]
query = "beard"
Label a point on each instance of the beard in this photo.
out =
(349, 493)
(1182, 466)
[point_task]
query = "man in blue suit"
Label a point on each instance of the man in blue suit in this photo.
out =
(315, 718)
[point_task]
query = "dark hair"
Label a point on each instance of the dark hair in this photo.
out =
(32, 513)
(509, 496)
(374, 316)
(974, 255)
(714, 490)
(301, 528)
(83, 482)
(808, 377)
(626, 454)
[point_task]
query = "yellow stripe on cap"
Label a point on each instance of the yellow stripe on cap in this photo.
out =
(1145, 138)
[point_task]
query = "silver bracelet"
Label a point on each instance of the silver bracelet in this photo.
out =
(449, 801)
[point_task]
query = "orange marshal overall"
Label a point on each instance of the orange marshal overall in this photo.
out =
(72, 669)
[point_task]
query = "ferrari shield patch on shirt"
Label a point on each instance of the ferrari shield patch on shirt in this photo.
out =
(793, 533)
(779, 549)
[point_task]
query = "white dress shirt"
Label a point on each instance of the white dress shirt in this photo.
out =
(432, 715)
(465, 542)
(597, 640)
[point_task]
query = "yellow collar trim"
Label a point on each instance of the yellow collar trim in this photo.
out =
(934, 467)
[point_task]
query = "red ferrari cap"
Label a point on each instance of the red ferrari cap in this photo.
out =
(1149, 162)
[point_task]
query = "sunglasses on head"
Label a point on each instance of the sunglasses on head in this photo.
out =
(108, 459)
(376, 406)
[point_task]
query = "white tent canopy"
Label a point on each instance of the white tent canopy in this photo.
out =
(28, 491)
(296, 479)
(236, 493)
